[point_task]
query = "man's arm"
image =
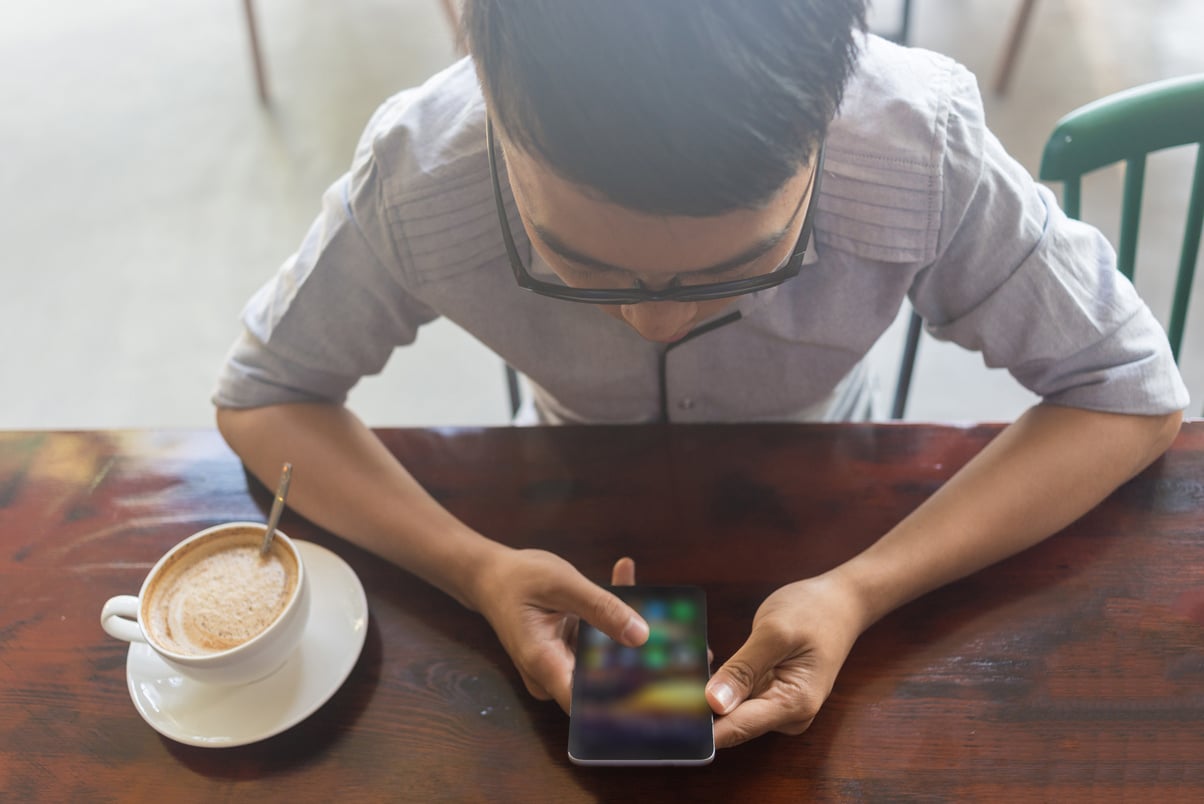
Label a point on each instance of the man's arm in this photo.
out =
(347, 482)
(1040, 474)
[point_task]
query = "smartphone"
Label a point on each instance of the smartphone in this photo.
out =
(645, 705)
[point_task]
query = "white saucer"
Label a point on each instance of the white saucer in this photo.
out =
(194, 713)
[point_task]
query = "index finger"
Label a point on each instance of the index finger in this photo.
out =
(601, 608)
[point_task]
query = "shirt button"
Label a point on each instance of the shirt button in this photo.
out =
(686, 403)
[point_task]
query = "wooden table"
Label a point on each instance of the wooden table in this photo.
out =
(1073, 671)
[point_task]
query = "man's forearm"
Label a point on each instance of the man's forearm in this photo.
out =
(1040, 474)
(347, 482)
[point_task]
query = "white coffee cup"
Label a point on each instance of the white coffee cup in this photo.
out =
(214, 610)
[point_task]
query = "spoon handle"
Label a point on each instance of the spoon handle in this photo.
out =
(286, 475)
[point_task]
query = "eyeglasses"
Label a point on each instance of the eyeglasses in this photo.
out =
(639, 293)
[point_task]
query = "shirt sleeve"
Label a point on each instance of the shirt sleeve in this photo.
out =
(334, 311)
(1032, 290)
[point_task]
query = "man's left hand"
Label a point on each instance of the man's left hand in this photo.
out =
(783, 673)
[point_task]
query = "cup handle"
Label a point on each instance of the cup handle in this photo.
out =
(119, 618)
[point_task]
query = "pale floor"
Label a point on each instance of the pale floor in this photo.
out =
(146, 194)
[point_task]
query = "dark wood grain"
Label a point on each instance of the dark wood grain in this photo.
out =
(1073, 671)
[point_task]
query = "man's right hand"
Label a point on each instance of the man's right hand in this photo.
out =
(534, 600)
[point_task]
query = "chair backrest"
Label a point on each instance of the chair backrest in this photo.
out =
(1126, 127)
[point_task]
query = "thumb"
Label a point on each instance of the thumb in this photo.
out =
(744, 674)
(623, 573)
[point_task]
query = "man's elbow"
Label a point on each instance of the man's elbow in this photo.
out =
(223, 418)
(232, 424)
(1166, 429)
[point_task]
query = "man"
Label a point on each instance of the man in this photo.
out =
(719, 206)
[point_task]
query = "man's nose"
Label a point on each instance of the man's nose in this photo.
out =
(661, 321)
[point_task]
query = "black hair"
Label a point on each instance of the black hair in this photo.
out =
(676, 107)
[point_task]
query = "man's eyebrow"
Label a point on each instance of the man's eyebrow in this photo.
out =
(751, 253)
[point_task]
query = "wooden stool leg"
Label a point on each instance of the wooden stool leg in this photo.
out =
(261, 84)
(1019, 26)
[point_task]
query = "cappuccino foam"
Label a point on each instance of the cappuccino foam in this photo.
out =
(219, 593)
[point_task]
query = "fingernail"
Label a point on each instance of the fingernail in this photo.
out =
(636, 632)
(724, 694)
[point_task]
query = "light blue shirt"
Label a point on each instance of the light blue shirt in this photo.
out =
(918, 200)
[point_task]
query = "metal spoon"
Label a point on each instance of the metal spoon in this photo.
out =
(286, 475)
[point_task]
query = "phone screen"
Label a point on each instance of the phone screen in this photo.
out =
(645, 705)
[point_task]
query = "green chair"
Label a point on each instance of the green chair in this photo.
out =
(1126, 126)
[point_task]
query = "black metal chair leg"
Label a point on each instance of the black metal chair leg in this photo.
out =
(914, 328)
